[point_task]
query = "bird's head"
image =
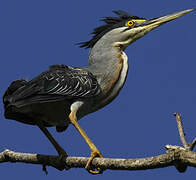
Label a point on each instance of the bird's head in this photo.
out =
(125, 29)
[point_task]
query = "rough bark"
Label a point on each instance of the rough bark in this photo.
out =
(180, 157)
(174, 156)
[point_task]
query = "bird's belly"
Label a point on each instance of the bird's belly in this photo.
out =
(50, 114)
(53, 113)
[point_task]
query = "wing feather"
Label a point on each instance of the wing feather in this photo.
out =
(59, 82)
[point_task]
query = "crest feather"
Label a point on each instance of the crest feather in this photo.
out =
(110, 23)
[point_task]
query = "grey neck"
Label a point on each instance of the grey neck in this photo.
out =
(104, 62)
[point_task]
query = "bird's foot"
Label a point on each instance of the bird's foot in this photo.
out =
(88, 167)
(60, 162)
(62, 155)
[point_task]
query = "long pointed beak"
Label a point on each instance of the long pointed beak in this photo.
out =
(155, 22)
(144, 26)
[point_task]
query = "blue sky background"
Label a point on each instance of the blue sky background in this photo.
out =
(139, 122)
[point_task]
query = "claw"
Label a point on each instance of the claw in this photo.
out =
(44, 169)
(88, 165)
(94, 172)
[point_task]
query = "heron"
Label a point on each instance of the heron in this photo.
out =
(62, 95)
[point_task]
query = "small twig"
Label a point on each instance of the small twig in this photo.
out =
(193, 144)
(181, 131)
(172, 147)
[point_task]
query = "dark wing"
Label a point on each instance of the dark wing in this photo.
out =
(58, 83)
(70, 82)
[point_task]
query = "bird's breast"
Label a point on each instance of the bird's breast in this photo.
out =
(115, 82)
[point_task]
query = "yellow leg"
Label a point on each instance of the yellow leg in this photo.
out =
(59, 149)
(94, 151)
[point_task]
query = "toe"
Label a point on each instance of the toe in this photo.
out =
(88, 165)
(62, 156)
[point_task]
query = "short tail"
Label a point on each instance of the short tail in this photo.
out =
(11, 111)
(10, 100)
(8, 96)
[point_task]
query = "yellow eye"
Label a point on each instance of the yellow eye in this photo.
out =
(129, 23)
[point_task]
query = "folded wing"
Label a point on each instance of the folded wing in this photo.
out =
(58, 83)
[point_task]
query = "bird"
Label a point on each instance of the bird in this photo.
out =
(62, 95)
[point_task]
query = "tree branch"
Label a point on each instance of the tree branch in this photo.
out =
(174, 155)
(180, 157)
